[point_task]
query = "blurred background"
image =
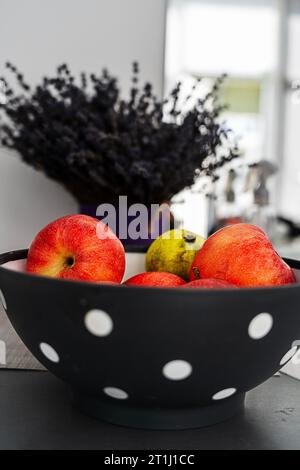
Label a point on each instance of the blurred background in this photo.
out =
(253, 41)
(255, 44)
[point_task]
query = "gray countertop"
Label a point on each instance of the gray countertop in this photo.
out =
(36, 414)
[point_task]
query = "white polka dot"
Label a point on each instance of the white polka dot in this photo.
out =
(49, 352)
(98, 323)
(117, 393)
(177, 370)
(226, 393)
(260, 326)
(2, 300)
(296, 358)
(288, 356)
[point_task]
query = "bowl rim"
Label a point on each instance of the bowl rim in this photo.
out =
(15, 255)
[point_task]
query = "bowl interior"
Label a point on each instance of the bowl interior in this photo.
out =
(135, 264)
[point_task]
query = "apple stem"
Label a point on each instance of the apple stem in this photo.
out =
(189, 237)
(69, 261)
(196, 273)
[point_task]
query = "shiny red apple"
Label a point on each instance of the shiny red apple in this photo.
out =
(77, 247)
(155, 279)
(241, 254)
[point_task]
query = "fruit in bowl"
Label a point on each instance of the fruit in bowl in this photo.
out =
(77, 247)
(241, 254)
(173, 358)
(174, 252)
(82, 248)
(155, 279)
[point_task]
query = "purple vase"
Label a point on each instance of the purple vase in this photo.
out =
(156, 226)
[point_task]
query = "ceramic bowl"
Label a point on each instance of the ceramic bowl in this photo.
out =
(148, 357)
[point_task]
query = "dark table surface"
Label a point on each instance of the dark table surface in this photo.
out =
(35, 413)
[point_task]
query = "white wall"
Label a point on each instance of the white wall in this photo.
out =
(290, 176)
(89, 34)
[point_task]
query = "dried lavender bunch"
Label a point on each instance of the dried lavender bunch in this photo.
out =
(99, 146)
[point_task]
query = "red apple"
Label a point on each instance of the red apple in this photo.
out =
(77, 247)
(241, 254)
(210, 284)
(155, 279)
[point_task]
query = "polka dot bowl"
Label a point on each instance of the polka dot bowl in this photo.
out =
(153, 358)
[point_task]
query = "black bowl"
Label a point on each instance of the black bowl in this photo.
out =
(153, 358)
